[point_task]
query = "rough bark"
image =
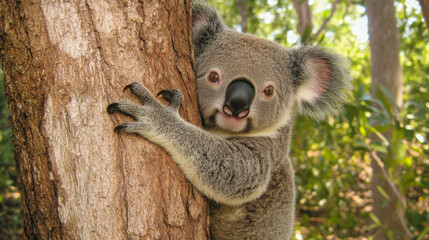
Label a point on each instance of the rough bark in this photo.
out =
(385, 70)
(65, 61)
(425, 11)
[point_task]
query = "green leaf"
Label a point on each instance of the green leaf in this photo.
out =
(388, 94)
(369, 108)
(375, 219)
(306, 35)
(361, 92)
(361, 145)
(384, 95)
(417, 149)
(381, 190)
(384, 203)
(379, 148)
(362, 131)
(369, 99)
(424, 233)
(384, 140)
(351, 112)
(389, 234)
(408, 162)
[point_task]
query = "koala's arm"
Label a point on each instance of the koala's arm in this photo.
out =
(230, 171)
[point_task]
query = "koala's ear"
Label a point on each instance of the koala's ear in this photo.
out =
(206, 24)
(321, 80)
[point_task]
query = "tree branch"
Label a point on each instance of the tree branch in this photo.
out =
(386, 177)
(326, 21)
(243, 15)
(394, 189)
(304, 15)
(425, 11)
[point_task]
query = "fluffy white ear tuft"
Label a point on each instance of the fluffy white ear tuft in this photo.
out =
(319, 76)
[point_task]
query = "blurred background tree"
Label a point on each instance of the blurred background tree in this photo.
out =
(333, 166)
(10, 205)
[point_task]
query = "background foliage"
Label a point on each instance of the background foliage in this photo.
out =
(331, 158)
(10, 212)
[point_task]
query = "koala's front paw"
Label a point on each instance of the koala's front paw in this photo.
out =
(151, 117)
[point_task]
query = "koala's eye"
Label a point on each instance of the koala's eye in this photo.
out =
(213, 77)
(269, 91)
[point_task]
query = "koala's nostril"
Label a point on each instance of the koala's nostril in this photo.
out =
(227, 111)
(243, 114)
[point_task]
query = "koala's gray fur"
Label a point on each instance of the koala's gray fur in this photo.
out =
(241, 165)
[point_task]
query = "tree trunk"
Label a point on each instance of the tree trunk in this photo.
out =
(425, 11)
(386, 70)
(65, 61)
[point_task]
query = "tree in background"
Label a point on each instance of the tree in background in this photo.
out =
(65, 62)
(388, 202)
(334, 175)
(10, 207)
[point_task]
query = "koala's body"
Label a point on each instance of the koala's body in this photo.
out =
(249, 92)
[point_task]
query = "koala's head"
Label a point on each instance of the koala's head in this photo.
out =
(250, 85)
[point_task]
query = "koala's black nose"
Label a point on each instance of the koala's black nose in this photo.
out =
(238, 98)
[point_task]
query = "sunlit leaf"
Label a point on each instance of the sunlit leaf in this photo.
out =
(379, 135)
(424, 233)
(381, 190)
(375, 219)
(379, 148)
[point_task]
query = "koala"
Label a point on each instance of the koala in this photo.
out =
(249, 92)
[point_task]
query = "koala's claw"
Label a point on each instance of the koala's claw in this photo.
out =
(141, 92)
(133, 127)
(166, 94)
(128, 108)
(174, 96)
(119, 128)
(129, 86)
(112, 108)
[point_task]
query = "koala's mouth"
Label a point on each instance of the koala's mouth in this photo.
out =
(229, 123)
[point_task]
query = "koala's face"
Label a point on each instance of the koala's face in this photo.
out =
(250, 85)
(240, 89)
